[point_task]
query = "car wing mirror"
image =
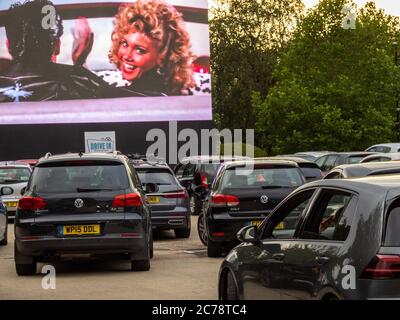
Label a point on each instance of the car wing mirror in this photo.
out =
(6, 191)
(23, 191)
(248, 234)
(150, 187)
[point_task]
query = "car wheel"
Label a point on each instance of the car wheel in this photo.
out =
(214, 249)
(231, 290)
(24, 269)
(182, 233)
(4, 242)
(151, 244)
(201, 229)
(143, 265)
(195, 207)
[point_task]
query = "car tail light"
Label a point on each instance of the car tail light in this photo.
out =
(176, 195)
(127, 200)
(32, 203)
(382, 267)
(223, 200)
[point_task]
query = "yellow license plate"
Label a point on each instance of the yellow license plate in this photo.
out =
(153, 199)
(11, 204)
(280, 226)
(81, 229)
(256, 223)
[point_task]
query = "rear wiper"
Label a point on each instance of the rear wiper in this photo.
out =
(274, 187)
(91, 189)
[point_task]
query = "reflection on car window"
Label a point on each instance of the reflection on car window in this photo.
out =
(331, 217)
(10, 175)
(286, 218)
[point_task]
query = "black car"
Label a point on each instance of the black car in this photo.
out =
(310, 169)
(243, 193)
(199, 171)
(347, 171)
(331, 160)
(83, 203)
(344, 244)
(170, 204)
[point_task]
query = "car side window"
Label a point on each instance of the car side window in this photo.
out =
(179, 171)
(331, 216)
(283, 223)
(320, 161)
(330, 163)
(189, 170)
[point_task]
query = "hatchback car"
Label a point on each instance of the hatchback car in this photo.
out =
(331, 160)
(243, 193)
(170, 204)
(310, 169)
(16, 177)
(83, 203)
(199, 171)
(329, 240)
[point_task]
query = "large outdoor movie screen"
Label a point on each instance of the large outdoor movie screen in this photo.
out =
(94, 61)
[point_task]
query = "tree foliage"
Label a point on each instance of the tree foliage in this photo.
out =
(335, 88)
(247, 37)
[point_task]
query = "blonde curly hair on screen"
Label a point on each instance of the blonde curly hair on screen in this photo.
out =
(162, 22)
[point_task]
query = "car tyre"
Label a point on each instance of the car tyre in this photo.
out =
(144, 265)
(182, 233)
(24, 269)
(201, 229)
(214, 249)
(194, 205)
(151, 244)
(4, 242)
(231, 290)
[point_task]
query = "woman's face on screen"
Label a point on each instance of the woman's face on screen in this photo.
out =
(137, 54)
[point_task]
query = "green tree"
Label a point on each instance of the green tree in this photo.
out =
(247, 37)
(335, 88)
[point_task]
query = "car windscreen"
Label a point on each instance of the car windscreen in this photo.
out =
(157, 176)
(267, 177)
(209, 169)
(10, 175)
(79, 176)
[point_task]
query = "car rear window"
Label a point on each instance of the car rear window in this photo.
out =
(10, 175)
(272, 177)
(71, 177)
(157, 176)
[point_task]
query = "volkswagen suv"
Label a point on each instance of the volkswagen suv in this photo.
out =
(83, 203)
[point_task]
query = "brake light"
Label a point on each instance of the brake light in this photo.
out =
(382, 267)
(127, 200)
(32, 203)
(223, 200)
(176, 195)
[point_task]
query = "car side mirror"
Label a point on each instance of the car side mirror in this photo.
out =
(200, 191)
(23, 191)
(6, 191)
(150, 188)
(247, 234)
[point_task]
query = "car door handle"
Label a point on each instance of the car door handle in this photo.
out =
(278, 256)
(322, 260)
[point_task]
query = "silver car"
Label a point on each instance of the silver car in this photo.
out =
(16, 177)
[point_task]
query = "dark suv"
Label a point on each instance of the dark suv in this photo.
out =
(244, 193)
(199, 171)
(170, 204)
(83, 203)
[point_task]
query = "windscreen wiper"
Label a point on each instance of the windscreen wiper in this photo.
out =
(91, 189)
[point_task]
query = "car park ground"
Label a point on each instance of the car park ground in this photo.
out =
(180, 270)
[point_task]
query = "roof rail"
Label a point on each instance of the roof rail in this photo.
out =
(47, 155)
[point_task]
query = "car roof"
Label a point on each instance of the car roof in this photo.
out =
(287, 158)
(82, 156)
(387, 182)
(390, 144)
(149, 164)
(14, 165)
(391, 155)
(231, 164)
(370, 165)
(208, 158)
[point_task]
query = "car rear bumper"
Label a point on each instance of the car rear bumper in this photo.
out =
(170, 220)
(223, 227)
